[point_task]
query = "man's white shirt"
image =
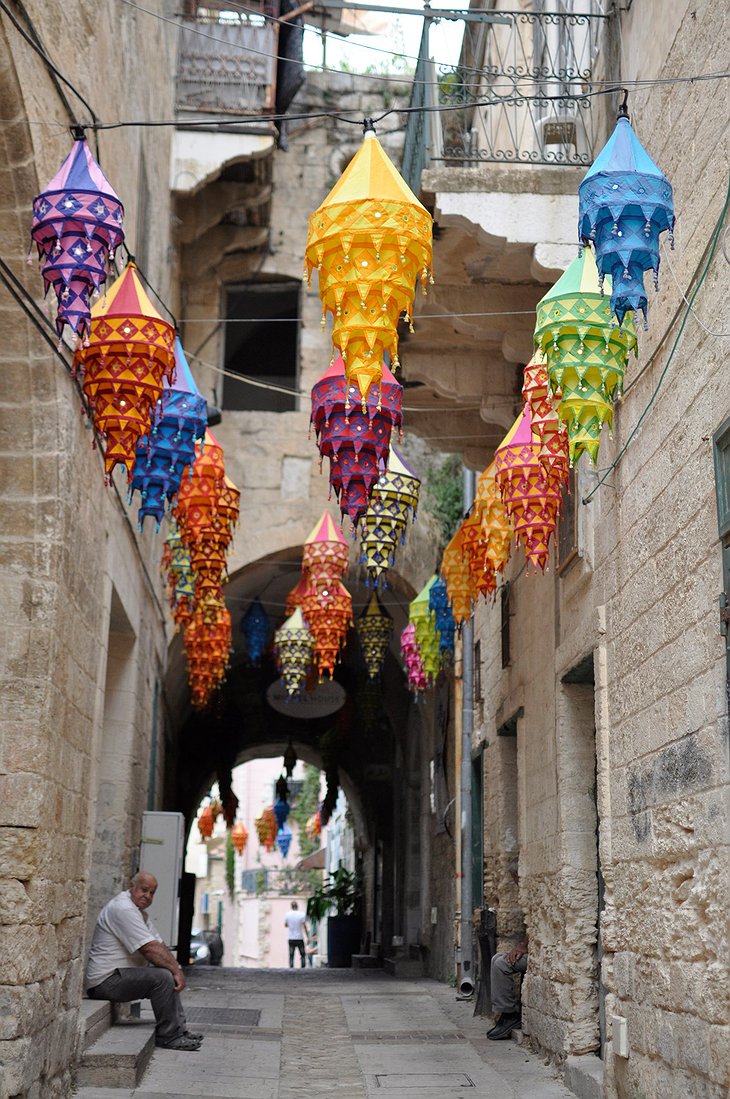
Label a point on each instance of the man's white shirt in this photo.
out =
(120, 931)
(295, 921)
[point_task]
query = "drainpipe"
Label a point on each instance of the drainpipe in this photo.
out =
(465, 979)
(458, 746)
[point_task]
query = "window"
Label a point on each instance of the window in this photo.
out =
(566, 542)
(261, 342)
(478, 672)
(721, 445)
(505, 606)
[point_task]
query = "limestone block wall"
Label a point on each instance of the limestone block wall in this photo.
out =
(84, 629)
(637, 744)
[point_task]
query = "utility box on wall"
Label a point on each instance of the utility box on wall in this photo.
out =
(161, 852)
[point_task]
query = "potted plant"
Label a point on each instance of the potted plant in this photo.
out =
(341, 892)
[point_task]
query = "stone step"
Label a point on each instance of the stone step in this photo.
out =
(95, 1016)
(403, 967)
(118, 1058)
(366, 961)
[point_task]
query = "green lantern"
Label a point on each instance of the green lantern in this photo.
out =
(586, 352)
(423, 619)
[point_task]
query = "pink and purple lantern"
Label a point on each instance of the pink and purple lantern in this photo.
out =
(77, 226)
(414, 664)
(178, 424)
(354, 433)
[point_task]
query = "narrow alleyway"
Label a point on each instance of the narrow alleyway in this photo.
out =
(279, 1034)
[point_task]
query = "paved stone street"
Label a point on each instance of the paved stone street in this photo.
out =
(349, 1034)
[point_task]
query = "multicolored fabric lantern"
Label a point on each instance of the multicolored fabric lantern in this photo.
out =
(180, 582)
(207, 641)
(394, 499)
(293, 645)
(178, 427)
(206, 823)
(130, 349)
(281, 811)
(412, 656)
(328, 614)
(239, 837)
(586, 354)
(438, 601)
(313, 827)
(547, 427)
(290, 759)
(77, 226)
(283, 839)
(255, 630)
(496, 524)
(423, 619)
(531, 496)
(370, 240)
(354, 438)
(266, 827)
(295, 596)
(374, 628)
(624, 204)
(199, 495)
(325, 553)
(455, 571)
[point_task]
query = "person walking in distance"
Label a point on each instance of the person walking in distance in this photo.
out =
(296, 925)
(129, 961)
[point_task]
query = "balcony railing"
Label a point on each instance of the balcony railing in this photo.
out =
(227, 61)
(519, 94)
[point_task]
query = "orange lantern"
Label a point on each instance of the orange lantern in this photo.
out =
(129, 350)
(295, 596)
(550, 431)
(325, 553)
(266, 828)
(328, 614)
(206, 823)
(455, 571)
(313, 827)
(239, 836)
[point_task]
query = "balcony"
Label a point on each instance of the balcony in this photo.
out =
(498, 155)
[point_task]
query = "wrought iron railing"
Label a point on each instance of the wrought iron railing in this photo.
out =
(227, 60)
(519, 95)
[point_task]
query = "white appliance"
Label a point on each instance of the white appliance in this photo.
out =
(161, 852)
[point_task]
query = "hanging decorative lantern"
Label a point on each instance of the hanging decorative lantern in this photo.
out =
(325, 553)
(394, 499)
(290, 759)
(255, 630)
(482, 580)
(547, 427)
(455, 571)
(206, 823)
(197, 501)
(207, 641)
(412, 657)
(423, 619)
(239, 837)
(355, 439)
(438, 601)
(281, 811)
(531, 497)
(313, 827)
(215, 808)
(295, 596)
(180, 582)
(229, 806)
(374, 628)
(370, 240)
(77, 226)
(586, 354)
(163, 455)
(266, 827)
(624, 204)
(283, 839)
(293, 645)
(129, 350)
(496, 524)
(282, 789)
(328, 614)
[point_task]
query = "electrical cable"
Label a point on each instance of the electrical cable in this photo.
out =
(296, 320)
(714, 241)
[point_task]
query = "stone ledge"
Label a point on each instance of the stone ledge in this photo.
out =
(584, 1076)
(118, 1058)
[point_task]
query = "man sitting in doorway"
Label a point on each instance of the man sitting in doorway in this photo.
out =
(505, 999)
(129, 961)
(296, 924)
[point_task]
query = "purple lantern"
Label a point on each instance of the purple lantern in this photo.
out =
(77, 226)
(179, 421)
(440, 604)
(354, 433)
(255, 629)
(281, 811)
(283, 839)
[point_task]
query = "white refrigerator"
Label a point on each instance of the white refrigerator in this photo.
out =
(161, 853)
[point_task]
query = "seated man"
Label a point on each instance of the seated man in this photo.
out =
(129, 961)
(504, 998)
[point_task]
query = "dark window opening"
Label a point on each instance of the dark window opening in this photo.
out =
(478, 671)
(567, 533)
(505, 606)
(261, 343)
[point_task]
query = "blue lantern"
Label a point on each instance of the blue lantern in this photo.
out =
(625, 202)
(178, 422)
(255, 630)
(439, 603)
(283, 839)
(281, 811)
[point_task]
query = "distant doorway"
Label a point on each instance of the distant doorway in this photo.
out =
(261, 344)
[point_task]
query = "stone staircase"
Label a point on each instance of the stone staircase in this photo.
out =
(405, 962)
(115, 1046)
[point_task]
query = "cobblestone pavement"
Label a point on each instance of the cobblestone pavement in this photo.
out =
(345, 1034)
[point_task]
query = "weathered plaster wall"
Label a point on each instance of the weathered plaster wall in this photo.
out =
(66, 542)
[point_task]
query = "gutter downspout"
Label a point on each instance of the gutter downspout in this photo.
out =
(458, 747)
(465, 978)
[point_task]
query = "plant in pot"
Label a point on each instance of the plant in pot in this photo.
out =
(341, 892)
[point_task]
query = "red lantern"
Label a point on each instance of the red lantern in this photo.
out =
(325, 553)
(550, 431)
(206, 823)
(266, 828)
(239, 836)
(328, 614)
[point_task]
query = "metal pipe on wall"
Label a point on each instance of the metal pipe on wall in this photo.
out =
(465, 979)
